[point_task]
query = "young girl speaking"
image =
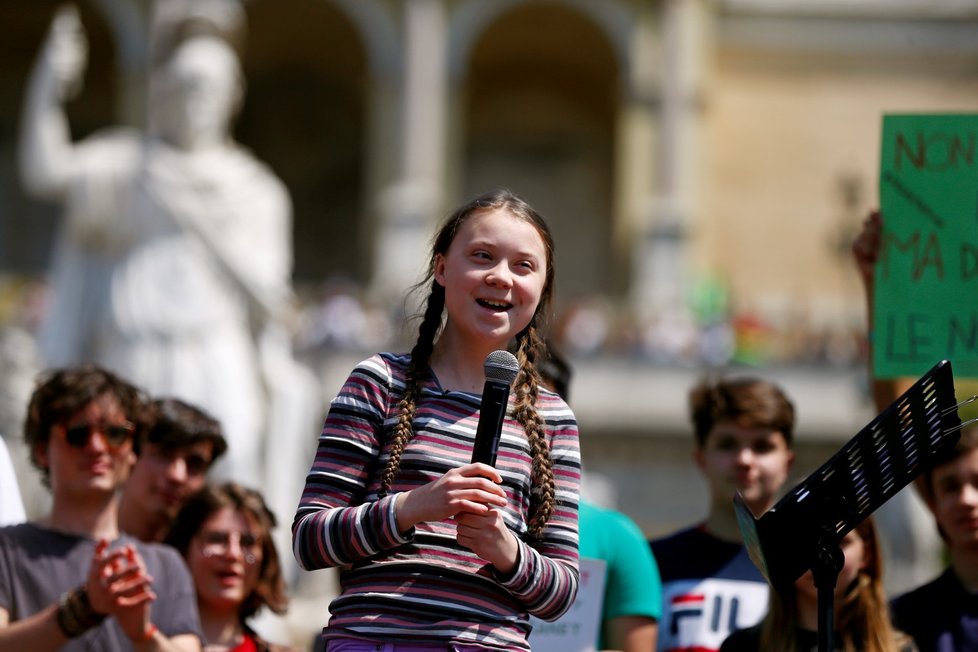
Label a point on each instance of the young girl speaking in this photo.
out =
(437, 553)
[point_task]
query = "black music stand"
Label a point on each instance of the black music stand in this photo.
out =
(805, 528)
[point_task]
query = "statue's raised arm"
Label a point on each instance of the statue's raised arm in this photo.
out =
(47, 155)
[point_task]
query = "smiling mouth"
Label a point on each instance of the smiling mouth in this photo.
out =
(228, 577)
(99, 466)
(498, 306)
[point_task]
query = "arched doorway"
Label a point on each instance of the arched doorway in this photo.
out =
(540, 99)
(304, 115)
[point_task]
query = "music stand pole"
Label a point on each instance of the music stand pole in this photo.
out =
(829, 560)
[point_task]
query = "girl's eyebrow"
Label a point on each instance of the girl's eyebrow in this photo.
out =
(489, 244)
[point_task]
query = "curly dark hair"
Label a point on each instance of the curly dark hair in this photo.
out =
(175, 424)
(62, 393)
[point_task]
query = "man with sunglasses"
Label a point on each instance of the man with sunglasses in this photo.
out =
(180, 445)
(71, 580)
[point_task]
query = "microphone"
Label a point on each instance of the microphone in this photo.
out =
(501, 368)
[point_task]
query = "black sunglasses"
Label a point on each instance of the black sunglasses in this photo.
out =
(115, 435)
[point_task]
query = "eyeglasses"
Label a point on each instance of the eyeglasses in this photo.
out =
(217, 543)
(115, 435)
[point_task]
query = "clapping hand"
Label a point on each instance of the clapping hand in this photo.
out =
(118, 585)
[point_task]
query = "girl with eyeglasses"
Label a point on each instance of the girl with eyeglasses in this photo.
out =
(224, 533)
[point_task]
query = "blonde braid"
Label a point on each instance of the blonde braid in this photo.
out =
(543, 493)
(416, 374)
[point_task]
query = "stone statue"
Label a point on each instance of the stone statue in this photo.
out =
(173, 263)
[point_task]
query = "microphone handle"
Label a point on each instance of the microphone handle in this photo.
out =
(495, 397)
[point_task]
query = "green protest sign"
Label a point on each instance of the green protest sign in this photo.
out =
(926, 302)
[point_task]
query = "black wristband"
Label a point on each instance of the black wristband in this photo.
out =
(85, 612)
(75, 615)
(65, 616)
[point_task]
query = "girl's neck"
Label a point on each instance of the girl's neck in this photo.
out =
(459, 368)
(222, 628)
(807, 611)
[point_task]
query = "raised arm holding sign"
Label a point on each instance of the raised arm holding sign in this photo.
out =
(927, 265)
(929, 199)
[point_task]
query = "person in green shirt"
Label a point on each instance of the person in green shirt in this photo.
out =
(632, 601)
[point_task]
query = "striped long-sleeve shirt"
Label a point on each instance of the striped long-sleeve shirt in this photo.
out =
(422, 585)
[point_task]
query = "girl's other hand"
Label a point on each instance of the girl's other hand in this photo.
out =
(487, 536)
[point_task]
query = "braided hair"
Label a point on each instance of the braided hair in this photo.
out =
(530, 348)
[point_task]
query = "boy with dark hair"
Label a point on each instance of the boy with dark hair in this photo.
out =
(178, 447)
(71, 580)
(710, 587)
(942, 616)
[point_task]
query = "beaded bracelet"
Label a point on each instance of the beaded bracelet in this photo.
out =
(75, 615)
(67, 623)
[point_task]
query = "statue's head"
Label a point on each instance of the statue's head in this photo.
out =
(196, 92)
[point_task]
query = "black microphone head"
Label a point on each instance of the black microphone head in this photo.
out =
(501, 366)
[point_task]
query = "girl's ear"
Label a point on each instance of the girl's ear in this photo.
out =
(440, 269)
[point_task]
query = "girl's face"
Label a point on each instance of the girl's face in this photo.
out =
(854, 548)
(225, 558)
(494, 274)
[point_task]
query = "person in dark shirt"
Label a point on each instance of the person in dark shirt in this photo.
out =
(71, 580)
(942, 616)
(710, 587)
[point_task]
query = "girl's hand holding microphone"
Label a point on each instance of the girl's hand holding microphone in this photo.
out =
(472, 488)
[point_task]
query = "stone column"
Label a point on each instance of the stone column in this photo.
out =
(660, 281)
(414, 202)
(636, 146)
